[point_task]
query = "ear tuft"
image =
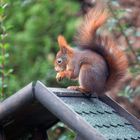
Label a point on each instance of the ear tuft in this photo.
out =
(63, 45)
(62, 41)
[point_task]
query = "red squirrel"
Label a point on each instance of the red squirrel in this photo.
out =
(99, 65)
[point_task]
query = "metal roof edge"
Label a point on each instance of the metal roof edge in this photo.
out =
(54, 104)
(63, 92)
(122, 112)
(16, 101)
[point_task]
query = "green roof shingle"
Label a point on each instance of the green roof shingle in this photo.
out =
(103, 117)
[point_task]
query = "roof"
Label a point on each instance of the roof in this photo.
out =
(102, 117)
(90, 117)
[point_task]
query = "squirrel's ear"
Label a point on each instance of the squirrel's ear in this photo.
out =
(62, 41)
(63, 44)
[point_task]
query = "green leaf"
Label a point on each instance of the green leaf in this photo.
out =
(7, 73)
(1, 58)
(6, 55)
(1, 10)
(5, 5)
(6, 46)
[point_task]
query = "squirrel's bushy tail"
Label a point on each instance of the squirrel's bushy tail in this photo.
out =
(86, 38)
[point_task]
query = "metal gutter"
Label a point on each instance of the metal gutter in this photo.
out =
(16, 101)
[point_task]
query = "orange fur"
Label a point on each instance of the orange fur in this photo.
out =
(86, 38)
(100, 65)
(64, 45)
(63, 74)
(91, 22)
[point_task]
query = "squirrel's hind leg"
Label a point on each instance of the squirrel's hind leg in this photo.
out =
(79, 88)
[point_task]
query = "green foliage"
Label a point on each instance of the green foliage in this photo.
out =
(31, 45)
(60, 132)
(127, 92)
(5, 70)
(135, 70)
(120, 26)
(34, 27)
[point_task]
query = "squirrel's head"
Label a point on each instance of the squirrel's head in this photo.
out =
(63, 55)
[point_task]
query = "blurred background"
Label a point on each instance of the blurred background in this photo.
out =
(28, 44)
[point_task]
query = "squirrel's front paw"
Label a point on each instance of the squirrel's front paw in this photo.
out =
(59, 77)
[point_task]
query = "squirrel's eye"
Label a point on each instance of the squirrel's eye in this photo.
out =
(59, 60)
